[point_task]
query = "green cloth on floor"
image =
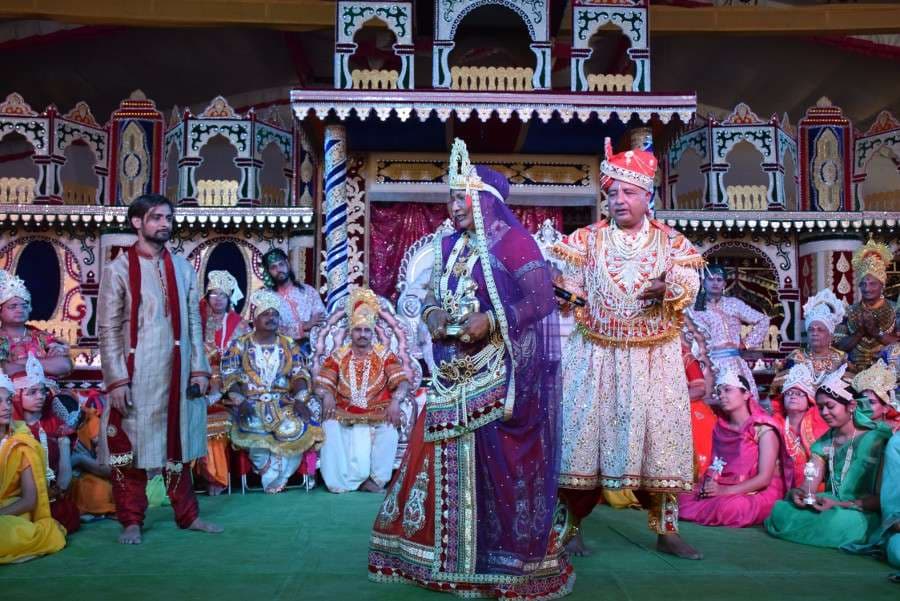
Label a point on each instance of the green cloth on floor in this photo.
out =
(313, 546)
(156, 492)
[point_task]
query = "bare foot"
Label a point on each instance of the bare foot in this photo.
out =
(214, 490)
(131, 535)
(201, 526)
(370, 486)
(577, 547)
(673, 544)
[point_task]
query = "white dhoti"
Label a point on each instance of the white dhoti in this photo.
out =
(354, 453)
(274, 468)
(626, 417)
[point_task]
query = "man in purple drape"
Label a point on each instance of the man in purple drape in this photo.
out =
(471, 508)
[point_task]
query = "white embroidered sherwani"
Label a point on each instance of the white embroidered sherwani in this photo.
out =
(145, 423)
(626, 411)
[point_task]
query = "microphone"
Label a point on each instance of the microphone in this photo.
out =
(569, 297)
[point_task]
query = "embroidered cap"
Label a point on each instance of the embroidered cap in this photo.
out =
(825, 308)
(6, 383)
(12, 286)
(880, 379)
(834, 385)
(34, 374)
(264, 299)
(224, 281)
(636, 167)
(801, 376)
(730, 377)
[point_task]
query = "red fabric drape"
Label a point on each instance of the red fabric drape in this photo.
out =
(395, 226)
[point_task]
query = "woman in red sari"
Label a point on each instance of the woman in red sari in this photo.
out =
(799, 418)
(221, 324)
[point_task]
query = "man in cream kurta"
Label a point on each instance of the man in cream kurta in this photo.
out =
(140, 402)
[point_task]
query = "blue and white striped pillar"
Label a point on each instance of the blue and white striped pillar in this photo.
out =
(336, 245)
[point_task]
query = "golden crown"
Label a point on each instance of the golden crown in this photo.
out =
(871, 259)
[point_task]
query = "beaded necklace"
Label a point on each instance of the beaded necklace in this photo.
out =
(358, 390)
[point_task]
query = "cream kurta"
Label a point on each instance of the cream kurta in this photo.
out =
(145, 424)
(626, 411)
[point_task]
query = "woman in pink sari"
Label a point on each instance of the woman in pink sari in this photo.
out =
(751, 469)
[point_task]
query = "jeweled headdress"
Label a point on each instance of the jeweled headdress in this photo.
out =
(801, 376)
(871, 259)
(362, 308)
(224, 281)
(461, 173)
(825, 308)
(33, 376)
(728, 377)
(880, 379)
(264, 299)
(636, 167)
(12, 286)
(834, 385)
(6, 383)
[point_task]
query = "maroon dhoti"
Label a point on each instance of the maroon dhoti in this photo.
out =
(130, 494)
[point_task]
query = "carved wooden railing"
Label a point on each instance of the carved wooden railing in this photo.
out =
(610, 83)
(79, 194)
(692, 200)
(888, 200)
(272, 197)
(17, 190)
(491, 79)
(374, 79)
(747, 198)
(217, 193)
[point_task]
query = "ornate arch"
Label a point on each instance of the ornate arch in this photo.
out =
(69, 272)
(457, 15)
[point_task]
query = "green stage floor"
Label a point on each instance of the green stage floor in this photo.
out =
(300, 545)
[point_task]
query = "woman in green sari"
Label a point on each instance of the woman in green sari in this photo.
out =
(847, 459)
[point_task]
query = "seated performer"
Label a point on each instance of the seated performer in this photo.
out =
(751, 469)
(361, 385)
(719, 318)
(885, 541)
(221, 323)
(878, 385)
(52, 422)
(17, 339)
(265, 378)
(91, 487)
(871, 323)
(822, 314)
(847, 459)
(27, 530)
(799, 417)
(471, 509)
